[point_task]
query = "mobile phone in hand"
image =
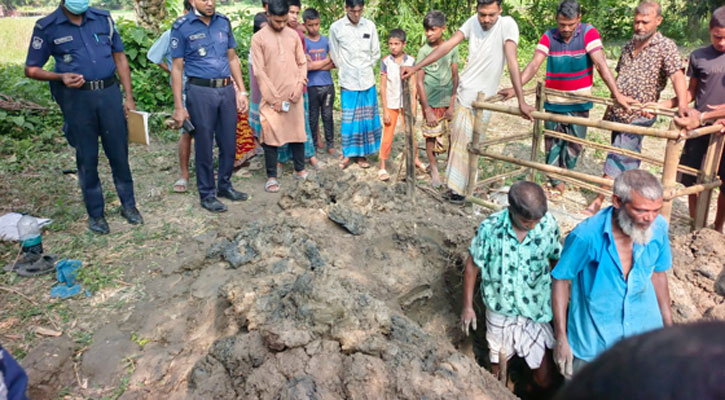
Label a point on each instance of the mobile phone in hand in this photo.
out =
(285, 106)
(188, 127)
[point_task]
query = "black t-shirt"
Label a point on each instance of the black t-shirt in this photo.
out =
(259, 19)
(708, 66)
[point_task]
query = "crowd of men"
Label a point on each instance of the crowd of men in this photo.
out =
(544, 302)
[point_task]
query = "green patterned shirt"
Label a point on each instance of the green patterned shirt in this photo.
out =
(515, 277)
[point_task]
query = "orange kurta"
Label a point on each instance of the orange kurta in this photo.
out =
(280, 67)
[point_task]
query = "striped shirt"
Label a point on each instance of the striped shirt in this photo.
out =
(569, 66)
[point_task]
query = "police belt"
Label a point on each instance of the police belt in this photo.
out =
(212, 83)
(99, 84)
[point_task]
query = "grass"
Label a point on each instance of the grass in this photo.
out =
(15, 34)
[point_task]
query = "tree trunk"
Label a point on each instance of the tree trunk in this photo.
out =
(150, 13)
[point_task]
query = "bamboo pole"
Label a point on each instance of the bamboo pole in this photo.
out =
(709, 171)
(584, 185)
(506, 139)
(606, 125)
(504, 175)
(669, 112)
(546, 168)
(694, 189)
(669, 172)
(705, 130)
(478, 131)
(536, 138)
(410, 147)
(497, 97)
(629, 153)
(480, 202)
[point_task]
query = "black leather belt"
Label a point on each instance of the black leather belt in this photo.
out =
(99, 84)
(212, 83)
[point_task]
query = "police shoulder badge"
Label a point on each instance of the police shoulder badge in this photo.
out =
(37, 42)
(174, 43)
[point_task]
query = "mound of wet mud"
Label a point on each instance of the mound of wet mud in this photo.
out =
(697, 279)
(327, 313)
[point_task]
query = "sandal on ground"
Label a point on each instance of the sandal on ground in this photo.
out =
(34, 265)
(423, 167)
(383, 175)
(181, 186)
(363, 163)
(270, 183)
(301, 177)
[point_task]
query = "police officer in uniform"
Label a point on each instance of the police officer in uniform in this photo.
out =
(88, 51)
(202, 46)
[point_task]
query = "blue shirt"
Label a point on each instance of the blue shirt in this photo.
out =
(605, 307)
(160, 52)
(86, 49)
(318, 50)
(203, 48)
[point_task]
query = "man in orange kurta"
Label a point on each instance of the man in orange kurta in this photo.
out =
(280, 67)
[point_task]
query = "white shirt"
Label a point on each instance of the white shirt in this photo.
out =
(354, 49)
(393, 88)
(485, 57)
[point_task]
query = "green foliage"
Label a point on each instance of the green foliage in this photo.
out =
(242, 28)
(24, 133)
(150, 83)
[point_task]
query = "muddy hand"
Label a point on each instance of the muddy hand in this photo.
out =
(564, 358)
(468, 319)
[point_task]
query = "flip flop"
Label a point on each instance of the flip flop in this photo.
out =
(181, 186)
(302, 177)
(364, 164)
(345, 164)
(35, 265)
(269, 184)
(383, 175)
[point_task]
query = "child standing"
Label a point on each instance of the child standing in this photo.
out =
(437, 83)
(391, 94)
(319, 80)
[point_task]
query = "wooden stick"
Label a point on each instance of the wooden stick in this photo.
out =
(497, 97)
(606, 125)
(479, 130)
(708, 172)
(409, 141)
(506, 139)
(694, 189)
(669, 112)
(546, 168)
(629, 153)
(584, 185)
(487, 204)
(11, 290)
(504, 175)
(538, 124)
(705, 130)
(669, 172)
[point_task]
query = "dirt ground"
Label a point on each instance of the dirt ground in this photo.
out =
(337, 287)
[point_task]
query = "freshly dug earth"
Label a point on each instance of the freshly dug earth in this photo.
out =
(342, 289)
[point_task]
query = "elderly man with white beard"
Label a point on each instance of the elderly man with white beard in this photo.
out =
(615, 263)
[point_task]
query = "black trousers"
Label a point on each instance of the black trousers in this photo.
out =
(88, 116)
(270, 158)
(321, 100)
(213, 111)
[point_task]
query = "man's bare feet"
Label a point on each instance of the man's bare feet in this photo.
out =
(435, 179)
(345, 162)
(331, 151)
(594, 206)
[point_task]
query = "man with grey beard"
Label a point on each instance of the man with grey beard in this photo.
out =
(615, 263)
(647, 62)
